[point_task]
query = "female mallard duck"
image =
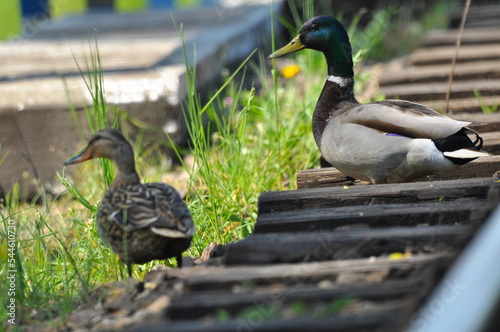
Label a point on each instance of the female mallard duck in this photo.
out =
(382, 142)
(140, 222)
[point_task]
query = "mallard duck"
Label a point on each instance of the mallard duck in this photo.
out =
(381, 142)
(140, 222)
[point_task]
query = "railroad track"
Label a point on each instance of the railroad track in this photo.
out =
(337, 255)
(332, 259)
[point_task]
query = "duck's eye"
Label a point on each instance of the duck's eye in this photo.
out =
(95, 139)
(314, 27)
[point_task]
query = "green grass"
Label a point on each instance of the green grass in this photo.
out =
(244, 141)
(485, 108)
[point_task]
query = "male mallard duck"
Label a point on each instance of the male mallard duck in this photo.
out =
(140, 222)
(382, 142)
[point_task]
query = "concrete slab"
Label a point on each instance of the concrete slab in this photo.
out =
(144, 74)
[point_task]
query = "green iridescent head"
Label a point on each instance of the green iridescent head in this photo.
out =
(325, 34)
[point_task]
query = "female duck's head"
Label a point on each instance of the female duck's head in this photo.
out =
(325, 34)
(111, 144)
(107, 143)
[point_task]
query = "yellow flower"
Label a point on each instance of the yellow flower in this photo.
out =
(290, 71)
(396, 256)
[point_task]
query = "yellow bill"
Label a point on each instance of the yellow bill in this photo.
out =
(293, 46)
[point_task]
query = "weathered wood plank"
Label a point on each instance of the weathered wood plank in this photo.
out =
(384, 318)
(323, 178)
(328, 177)
(327, 197)
(489, 121)
(275, 248)
(471, 36)
(202, 278)
(418, 92)
(486, 22)
(443, 55)
(487, 14)
(197, 305)
(491, 142)
(440, 73)
(380, 215)
(464, 105)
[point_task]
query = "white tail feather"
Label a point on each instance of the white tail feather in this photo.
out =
(465, 154)
(169, 232)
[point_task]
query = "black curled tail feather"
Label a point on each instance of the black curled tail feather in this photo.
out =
(478, 142)
(457, 141)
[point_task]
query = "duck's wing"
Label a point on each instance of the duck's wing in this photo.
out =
(403, 118)
(153, 205)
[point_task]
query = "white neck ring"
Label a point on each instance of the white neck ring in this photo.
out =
(342, 81)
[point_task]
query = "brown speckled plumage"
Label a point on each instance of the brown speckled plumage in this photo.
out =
(140, 222)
